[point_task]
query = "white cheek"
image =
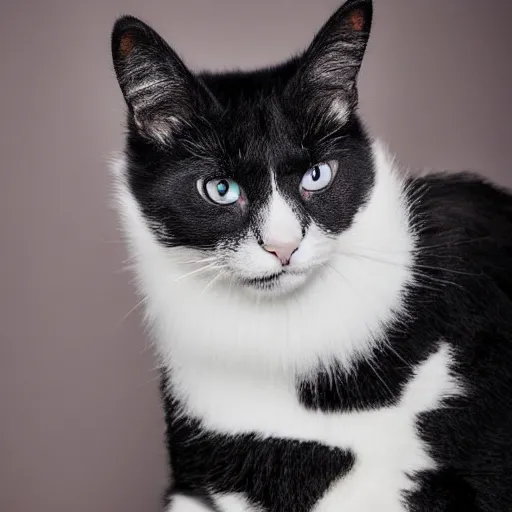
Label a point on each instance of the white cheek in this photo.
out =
(251, 260)
(315, 249)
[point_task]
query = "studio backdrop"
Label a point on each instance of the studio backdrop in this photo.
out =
(80, 422)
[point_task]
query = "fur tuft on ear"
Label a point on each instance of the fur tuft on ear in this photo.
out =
(161, 93)
(330, 65)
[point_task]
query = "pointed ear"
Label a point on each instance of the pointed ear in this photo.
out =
(161, 93)
(331, 64)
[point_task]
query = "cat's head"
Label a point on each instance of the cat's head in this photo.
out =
(253, 176)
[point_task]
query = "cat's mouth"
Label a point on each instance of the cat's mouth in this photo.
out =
(263, 281)
(282, 281)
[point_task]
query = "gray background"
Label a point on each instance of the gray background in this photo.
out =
(80, 424)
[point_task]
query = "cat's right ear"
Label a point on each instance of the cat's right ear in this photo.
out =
(329, 67)
(161, 93)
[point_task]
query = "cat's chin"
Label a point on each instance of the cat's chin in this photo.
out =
(273, 286)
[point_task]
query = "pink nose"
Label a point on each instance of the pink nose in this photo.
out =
(283, 251)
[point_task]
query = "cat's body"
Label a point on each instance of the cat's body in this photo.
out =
(343, 348)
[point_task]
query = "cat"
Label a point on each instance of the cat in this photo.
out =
(334, 334)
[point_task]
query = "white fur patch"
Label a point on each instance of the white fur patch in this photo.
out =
(281, 224)
(186, 504)
(384, 441)
(340, 111)
(387, 445)
(234, 503)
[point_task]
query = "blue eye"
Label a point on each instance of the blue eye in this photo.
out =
(318, 177)
(223, 190)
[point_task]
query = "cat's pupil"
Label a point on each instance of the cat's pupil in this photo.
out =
(315, 175)
(222, 187)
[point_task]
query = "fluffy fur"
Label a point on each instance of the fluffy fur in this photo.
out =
(371, 369)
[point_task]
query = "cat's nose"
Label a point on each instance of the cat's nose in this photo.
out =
(282, 250)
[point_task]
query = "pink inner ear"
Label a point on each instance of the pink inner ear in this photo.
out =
(126, 45)
(356, 20)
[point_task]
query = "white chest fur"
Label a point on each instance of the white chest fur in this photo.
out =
(385, 441)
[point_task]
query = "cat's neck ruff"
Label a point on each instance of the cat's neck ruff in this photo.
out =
(341, 314)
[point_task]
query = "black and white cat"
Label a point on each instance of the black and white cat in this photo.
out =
(335, 335)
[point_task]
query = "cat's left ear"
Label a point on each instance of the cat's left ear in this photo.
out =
(331, 64)
(161, 93)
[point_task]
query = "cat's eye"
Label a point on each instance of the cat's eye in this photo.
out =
(318, 177)
(222, 190)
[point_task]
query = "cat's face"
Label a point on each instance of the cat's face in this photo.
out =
(253, 176)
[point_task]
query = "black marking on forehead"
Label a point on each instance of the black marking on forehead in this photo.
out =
(237, 87)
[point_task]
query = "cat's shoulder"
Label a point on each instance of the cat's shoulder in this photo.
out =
(463, 194)
(463, 223)
(462, 207)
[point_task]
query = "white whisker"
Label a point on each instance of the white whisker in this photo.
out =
(203, 260)
(211, 282)
(134, 308)
(211, 266)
